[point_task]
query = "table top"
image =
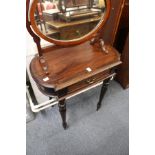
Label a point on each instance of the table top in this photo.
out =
(70, 65)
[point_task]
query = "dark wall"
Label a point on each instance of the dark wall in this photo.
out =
(110, 29)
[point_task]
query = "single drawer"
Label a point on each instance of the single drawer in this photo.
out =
(77, 87)
(88, 82)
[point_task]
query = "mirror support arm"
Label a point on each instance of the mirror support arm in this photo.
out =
(28, 26)
(36, 40)
(98, 39)
(103, 47)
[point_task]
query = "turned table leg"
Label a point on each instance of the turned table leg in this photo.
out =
(62, 110)
(103, 91)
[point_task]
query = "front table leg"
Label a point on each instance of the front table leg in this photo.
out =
(103, 91)
(62, 110)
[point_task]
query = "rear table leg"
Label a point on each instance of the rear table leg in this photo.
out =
(103, 91)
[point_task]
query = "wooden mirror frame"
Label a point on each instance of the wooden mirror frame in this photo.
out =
(80, 40)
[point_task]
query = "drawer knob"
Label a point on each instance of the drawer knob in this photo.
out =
(91, 81)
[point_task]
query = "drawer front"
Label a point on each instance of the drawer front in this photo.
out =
(77, 87)
(88, 82)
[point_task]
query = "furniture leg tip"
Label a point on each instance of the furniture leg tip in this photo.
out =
(98, 107)
(65, 126)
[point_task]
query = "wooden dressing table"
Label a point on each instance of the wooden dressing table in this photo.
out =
(71, 67)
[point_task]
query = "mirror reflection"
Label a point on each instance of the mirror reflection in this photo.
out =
(68, 19)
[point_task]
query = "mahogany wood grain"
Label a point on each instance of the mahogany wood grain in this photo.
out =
(67, 66)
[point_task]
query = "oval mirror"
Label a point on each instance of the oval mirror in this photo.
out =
(66, 22)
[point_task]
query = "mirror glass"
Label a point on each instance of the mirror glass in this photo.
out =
(68, 19)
